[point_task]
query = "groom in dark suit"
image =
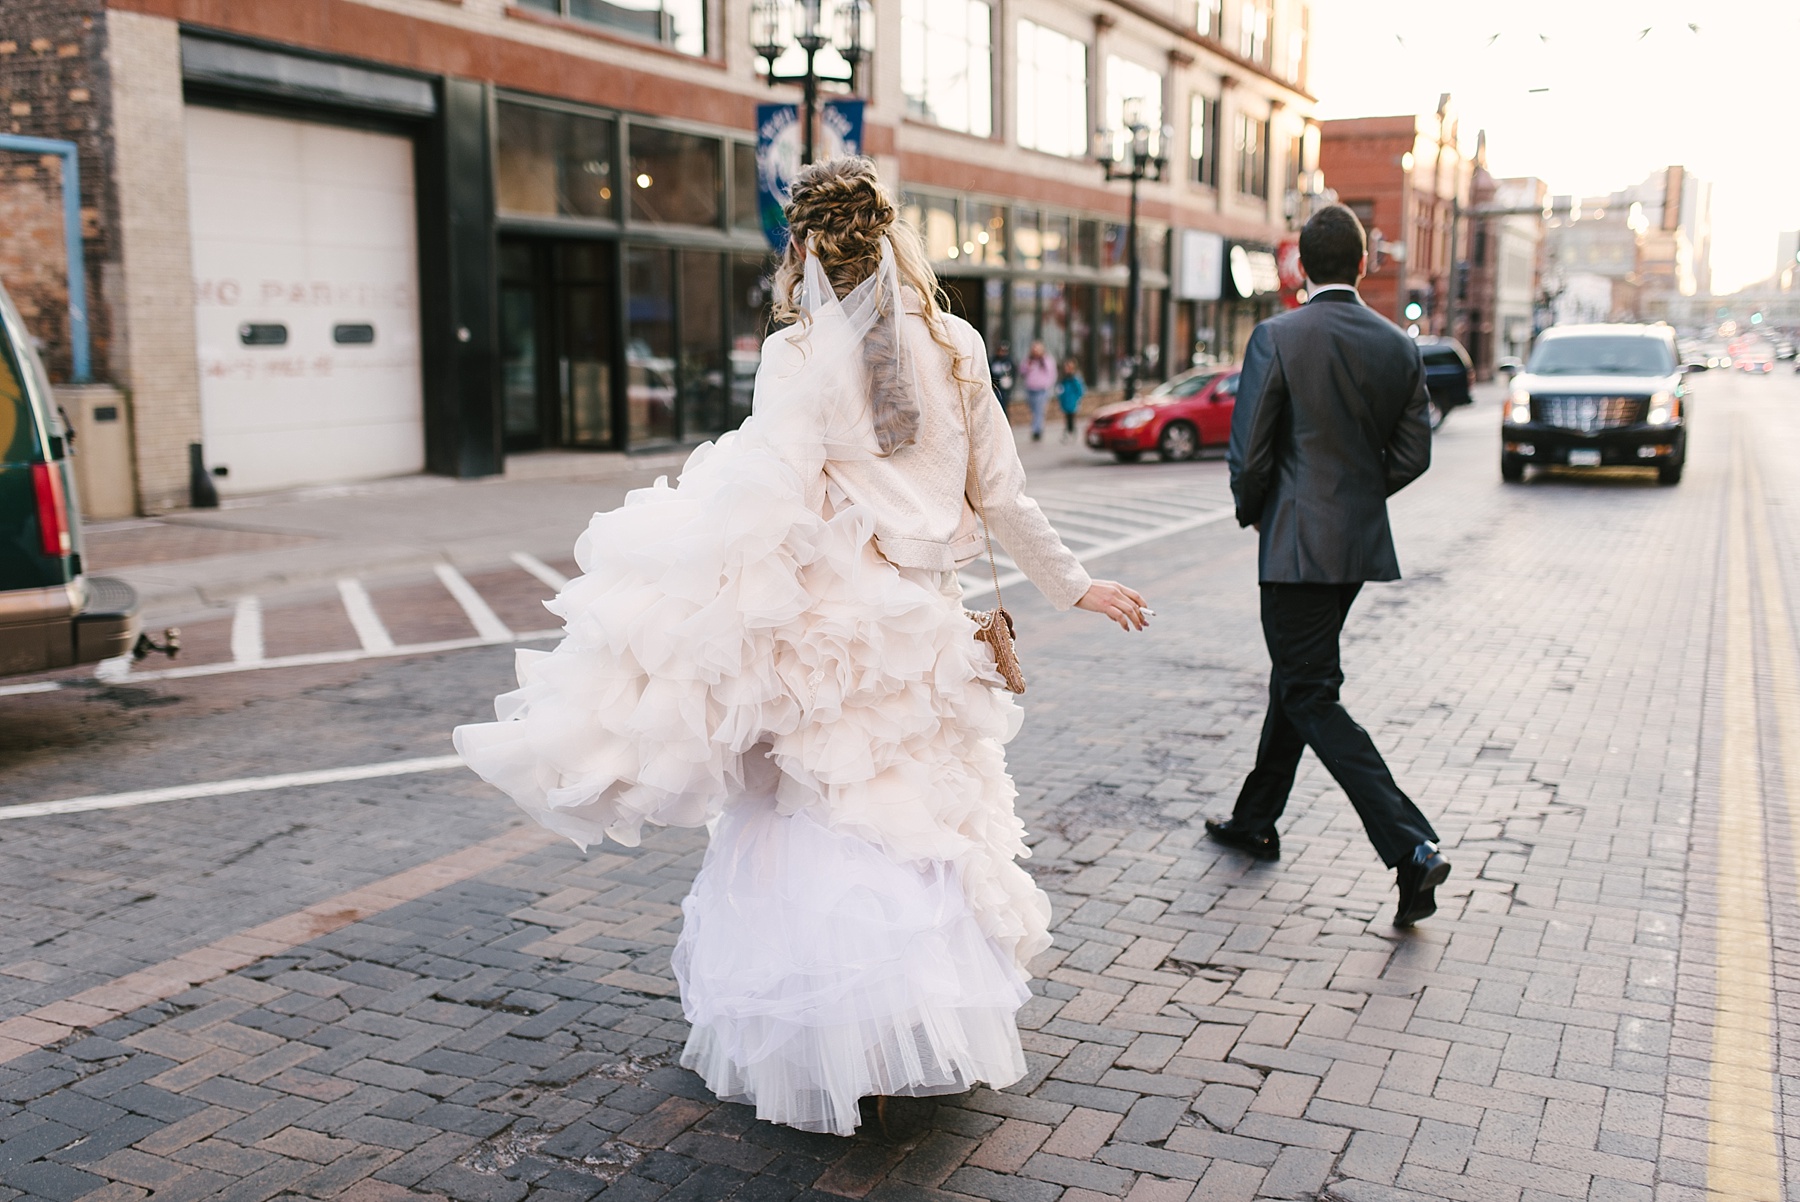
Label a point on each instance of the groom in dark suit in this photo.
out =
(1330, 422)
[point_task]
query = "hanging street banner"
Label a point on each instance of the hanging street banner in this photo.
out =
(778, 146)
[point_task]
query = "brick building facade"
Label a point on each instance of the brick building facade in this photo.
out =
(338, 239)
(1408, 179)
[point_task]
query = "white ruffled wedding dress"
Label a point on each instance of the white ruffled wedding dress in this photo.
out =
(738, 653)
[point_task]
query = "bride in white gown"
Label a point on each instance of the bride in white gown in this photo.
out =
(777, 646)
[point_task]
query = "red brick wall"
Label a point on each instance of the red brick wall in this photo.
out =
(53, 85)
(31, 250)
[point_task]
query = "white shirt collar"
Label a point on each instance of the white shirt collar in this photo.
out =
(1314, 291)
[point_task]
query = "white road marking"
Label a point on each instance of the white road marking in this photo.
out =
(226, 788)
(36, 686)
(541, 570)
(247, 631)
(361, 612)
(487, 623)
(979, 587)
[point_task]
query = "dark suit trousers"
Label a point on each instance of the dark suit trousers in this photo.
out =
(1301, 624)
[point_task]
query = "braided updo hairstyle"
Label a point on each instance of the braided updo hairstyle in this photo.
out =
(841, 210)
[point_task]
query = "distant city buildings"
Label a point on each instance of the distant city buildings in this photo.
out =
(1638, 254)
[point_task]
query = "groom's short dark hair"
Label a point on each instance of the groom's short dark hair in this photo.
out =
(1332, 244)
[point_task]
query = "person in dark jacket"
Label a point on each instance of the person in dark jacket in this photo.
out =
(1330, 422)
(1002, 370)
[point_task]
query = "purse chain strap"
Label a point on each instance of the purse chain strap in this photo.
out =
(980, 500)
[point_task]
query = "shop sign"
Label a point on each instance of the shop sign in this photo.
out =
(778, 145)
(1200, 265)
(1291, 274)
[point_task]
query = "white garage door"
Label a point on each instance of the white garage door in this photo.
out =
(306, 283)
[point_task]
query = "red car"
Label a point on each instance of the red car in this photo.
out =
(1175, 420)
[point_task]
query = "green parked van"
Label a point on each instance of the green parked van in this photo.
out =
(51, 615)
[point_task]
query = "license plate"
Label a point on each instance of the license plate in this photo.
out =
(1095, 440)
(1580, 458)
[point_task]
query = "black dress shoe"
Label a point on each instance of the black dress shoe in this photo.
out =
(1418, 878)
(1257, 846)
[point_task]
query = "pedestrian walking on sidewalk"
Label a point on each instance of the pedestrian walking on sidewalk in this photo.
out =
(777, 646)
(1039, 377)
(1003, 372)
(1330, 422)
(1069, 391)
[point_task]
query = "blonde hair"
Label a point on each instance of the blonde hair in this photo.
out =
(840, 210)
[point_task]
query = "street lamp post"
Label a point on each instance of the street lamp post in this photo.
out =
(777, 24)
(1134, 153)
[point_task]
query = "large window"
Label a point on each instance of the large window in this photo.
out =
(555, 164)
(947, 63)
(1253, 156)
(1210, 20)
(1053, 95)
(674, 177)
(677, 23)
(1203, 141)
(1253, 30)
(1133, 91)
(1297, 40)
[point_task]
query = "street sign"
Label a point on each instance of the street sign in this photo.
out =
(778, 139)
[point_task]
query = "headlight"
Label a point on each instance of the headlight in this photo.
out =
(1136, 418)
(1518, 408)
(1665, 407)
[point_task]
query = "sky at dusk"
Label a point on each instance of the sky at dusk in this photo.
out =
(1593, 95)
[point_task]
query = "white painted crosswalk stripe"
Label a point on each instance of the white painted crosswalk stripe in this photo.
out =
(361, 612)
(247, 631)
(487, 623)
(541, 570)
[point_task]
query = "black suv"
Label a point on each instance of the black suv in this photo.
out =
(1447, 375)
(1599, 395)
(51, 616)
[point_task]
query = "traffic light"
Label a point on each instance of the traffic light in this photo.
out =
(1756, 319)
(1417, 304)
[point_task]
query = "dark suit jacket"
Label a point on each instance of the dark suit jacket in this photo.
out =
(1330, 422)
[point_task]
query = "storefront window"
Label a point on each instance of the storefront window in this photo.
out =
(703, 380)
(1028, 239)
(1115, 249)
(936, 220)
(748, 312)
(984, 234)
(584, 289)
(518, 343)
(947, 62)
(677, 23)
(555, 164)
(674, 177)
(744, 212)
(1087, 243)
(650, 345)
(1053, 91)
(1056, 241)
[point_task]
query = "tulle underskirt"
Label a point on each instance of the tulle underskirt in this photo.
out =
(816, 970)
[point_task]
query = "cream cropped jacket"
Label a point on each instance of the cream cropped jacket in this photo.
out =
(923, 494)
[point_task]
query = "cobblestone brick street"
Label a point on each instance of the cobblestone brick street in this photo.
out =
(391, 987)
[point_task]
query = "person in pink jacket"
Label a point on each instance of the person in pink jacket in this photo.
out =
(1039, 377)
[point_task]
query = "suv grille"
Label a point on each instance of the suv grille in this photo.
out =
(1589, 413)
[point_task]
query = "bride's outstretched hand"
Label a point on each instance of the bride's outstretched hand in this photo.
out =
(1123, 605)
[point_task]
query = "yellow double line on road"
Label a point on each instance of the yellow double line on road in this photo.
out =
(1744, 1159)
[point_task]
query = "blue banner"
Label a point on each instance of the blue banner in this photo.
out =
(778, 146)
